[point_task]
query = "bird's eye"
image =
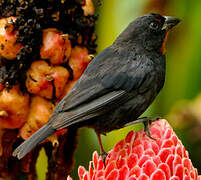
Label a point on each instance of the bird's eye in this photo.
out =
(153, 25)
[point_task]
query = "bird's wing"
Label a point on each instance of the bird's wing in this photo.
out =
(106, 81)
(86, 111)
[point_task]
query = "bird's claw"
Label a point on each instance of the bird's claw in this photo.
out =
(146, 128)
(154, 119)
(147, 122)
(143, 120)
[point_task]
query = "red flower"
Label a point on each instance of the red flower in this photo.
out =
(139, 157)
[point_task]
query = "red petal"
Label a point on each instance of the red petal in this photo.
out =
(109, 168)
(143, 159)
(91, 171)
(187, 163)
(123, 173)
(179, 151)
(94, 176)
(169, 161)
(109, 158)
(138, 150)
(147, 144)
(174, 139)
(186, 177)
(81, 171)
(165, 168)
(158, 174)
(119, 146)
(143, 177)
(168, 133)
(112, 156)
(128, 148)
(86, 176)
(177, 160)
(156, 132)
(173, 149)
(185, 153)
(130, 136)
(149, 152)
(155, 148)
(164, 153)
(95, 160)
(132, 160)
(100, 178)
(100, 164)
(122, 153)
(179, 171)
(148, 168)
(174, 178)
(136, 141)
(99, 174)
(137, 136)
(187, 172)
(132, 178)
(196, 173)
(157, 160)
(192, 173)
(114, 175)
(120, 162)
(159, 142)
(167, 143)
(135, 171)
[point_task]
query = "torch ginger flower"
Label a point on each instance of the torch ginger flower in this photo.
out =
(138, 157)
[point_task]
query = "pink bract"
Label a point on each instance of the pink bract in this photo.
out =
(137, 157)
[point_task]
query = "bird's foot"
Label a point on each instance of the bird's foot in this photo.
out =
(146, 121)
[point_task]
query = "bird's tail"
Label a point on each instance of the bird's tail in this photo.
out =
(32, 141)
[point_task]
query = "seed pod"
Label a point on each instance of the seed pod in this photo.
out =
(56, 47)
(14, 108)
(8, 37)
(45, 80)
(79, 60)
(39, 113)
(88, 8)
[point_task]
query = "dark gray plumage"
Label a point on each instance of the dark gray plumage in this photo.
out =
(117, 86)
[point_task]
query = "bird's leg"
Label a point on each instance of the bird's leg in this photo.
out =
(146, 121)
(102, 152)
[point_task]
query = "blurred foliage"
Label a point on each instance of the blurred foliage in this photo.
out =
(185, 117)
(183, 66)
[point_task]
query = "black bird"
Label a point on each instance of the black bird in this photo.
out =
(117, 86)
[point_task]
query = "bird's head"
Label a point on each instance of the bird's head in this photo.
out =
(149, 31)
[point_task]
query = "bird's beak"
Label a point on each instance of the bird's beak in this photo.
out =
(170, 22)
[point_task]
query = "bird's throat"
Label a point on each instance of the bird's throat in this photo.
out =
(163, 49)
